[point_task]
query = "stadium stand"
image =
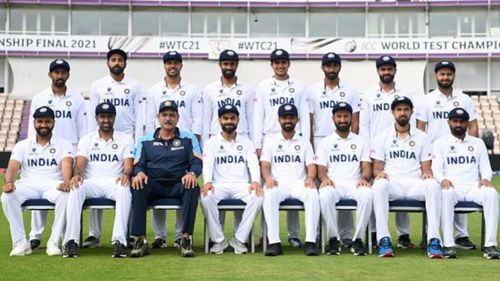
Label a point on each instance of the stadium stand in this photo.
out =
(11, 114)
(488, 116)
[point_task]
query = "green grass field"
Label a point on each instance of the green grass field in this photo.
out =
(166, 264)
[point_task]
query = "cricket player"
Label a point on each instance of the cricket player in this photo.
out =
(126, 95)
(70, 113)
(103, 168)
(344, 171)
(288, 170)
(188, 98)
(376, 116)
(323, 96)
(45, 162)
(461, 165)
(402, 169)
(167, 167)
(270, 94)
(230, 171)
(432, 118)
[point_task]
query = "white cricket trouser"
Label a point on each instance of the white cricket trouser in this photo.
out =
(231, 191)
(291, 189)
(38, 221)
(413, 189)
(28, 189)
(102, 187)
(485, 196)
(461, 225)
(160, 226)
(328, 198)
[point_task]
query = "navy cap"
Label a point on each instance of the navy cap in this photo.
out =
(117, 51)
(459, 113)
(444, 64)
(228, 108)
(401, 99)
(385, 60)
(105, 107)
(329, 58)
(172, 55)
(229, 55)
(44, 111)
(58, 63)
(168, 104)
(287, 109)
(342, 106)
(280, 54)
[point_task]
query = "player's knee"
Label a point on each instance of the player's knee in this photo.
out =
(6, 197)
(379, 185)
(491, 193)
(366, 196)
(432, 184)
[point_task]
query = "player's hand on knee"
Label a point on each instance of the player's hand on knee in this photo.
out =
(255, 186)
(309, 182)
(64, 186)
(139, 180)
(362, 182)
(75, 182)
(271, 183)
(326, 181)
(446, 184)
(189, 180)
(123, 180)
(206, 188)
(9, 187)
(427, 175)
(382, 175)
(485, 182)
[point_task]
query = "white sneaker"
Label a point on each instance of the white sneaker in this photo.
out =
(53, 249)
(218, 248)
(239, 248)
(22, 249)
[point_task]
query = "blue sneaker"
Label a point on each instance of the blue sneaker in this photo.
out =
(385, 248)
(434, 249)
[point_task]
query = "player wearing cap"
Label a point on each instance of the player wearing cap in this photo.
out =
(45, 162)
(402, 169)
(270, 94)
(126, 95)
(230, 171)
(323, 96)
(344, 171)
(103, 167)
(432, 118)
(166, 167)
(229, 89)
(188, 98)
(288, 170)
(71, 124)
(376, 116)
(461, 165)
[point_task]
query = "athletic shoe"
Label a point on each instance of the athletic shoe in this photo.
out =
(449, 253)
(35, 243)
(177, 243)
(491, 253)
(21, 249)
(70, 249)
(385, 248)
(295, 242)
(310, 249)
(358, 248)
(347, 243)
(159, 243)
(131, 243)
(239, 248)
(405, 242)
(91, 242)
(464, 243)
(273, 250)
(218, 248)
(434, 249)
(374, 240)
(53, 249)
(141, 249)
(333, 246)
(119, 250)
(187, 248)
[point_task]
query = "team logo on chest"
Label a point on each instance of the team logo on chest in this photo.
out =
(412, 143)
(96, 146)
(394, 143)
(68, 103)
(182, 93)
(114, 146)
(353, 146)
(239, 147)
(52, 150)
(470, 148)
(126, 91)
(239, 92)
(291, 90)
(456, 103)
(176, 143)
(109, 91)
(297, 147)
(342, 94)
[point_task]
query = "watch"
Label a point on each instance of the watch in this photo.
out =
(192, 173)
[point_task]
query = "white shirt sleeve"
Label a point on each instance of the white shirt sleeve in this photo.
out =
(139, 112)
(128, 151)
(437, 161)
(356, 101)
(469, 107)
(484, 162)
(305, 125)
(322, 154)
(365, 151)
(267, 150)
(426, 153)
(364, 118)
(31, 126)
(421, 112)
(18, 152)
(253, 163)
(151, 111)
(310, 157)
(208, 162)
(207, 115)
(83, 147)
(258, 117)
(94, 101)
(249, 111)
(67, 150)
(196, 112)
(82, 119)
(377, 150)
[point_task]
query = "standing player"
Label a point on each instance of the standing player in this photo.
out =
(70, 113)
(375, 116)
(45, 162)
(270, 94)
(323, 96)
(402, 169)
(344, 171)
(126, 95)
(288, 169)
(461, 165)
(188, 98)
(432, 118)
(230, 171)
(104, 159)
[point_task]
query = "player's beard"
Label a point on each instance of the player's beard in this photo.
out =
(288, 127)
(403, 121)
(386, 79)
(106, 127)
(116, 70)
(59, 83)
(332, 75)
(343, 127)
(445, 84)
(458, 131)
(229, 128)
(173, 73)
(44, 131)
(228, 73)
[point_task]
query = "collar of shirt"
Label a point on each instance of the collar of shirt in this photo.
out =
(338, 137)
(111, 80)
(393, 91)
(454, 94)
(295, 137)
(97, 137)
(222, 139)
(236, 84)
(454, 139)
(33, 142)
(411, 133)
(66, 94)
(156, 134)
(339, 86)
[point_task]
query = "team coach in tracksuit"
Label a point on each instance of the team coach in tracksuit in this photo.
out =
(167, 167)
